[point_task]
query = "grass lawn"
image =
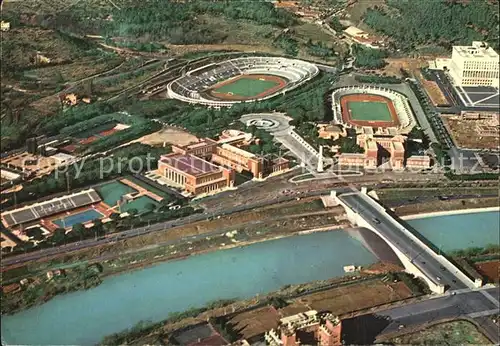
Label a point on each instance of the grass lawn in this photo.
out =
(369, 111)
(246, 87)
(111, 192)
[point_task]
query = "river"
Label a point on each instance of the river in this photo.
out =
(85, 317)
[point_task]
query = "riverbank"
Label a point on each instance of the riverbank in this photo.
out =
(449, 212)
(205, 246)
(155, 292)
(455, 205)
(41, 292)
(253, 317)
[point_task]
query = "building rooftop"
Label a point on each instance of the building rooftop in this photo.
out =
(238, 151)
(476, 50)
(354, 31)
(398, 146)
(202, 143)
(189, 164)
(371, 145)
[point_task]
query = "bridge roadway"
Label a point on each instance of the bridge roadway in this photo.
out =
(423, 258)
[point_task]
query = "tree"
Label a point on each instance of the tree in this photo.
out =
(58, 236)
(79, 230)
(98, 228)
(133, 211)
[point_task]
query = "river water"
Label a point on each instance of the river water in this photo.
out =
(85, 317)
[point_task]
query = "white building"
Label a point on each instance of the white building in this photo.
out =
(476, 65)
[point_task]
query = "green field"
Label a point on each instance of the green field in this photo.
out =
(369, 111)
(246, 87)
(111, 192)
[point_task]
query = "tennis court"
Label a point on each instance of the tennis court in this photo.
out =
(246, 87)
(369, 111)
(82, 217)
(113, 191)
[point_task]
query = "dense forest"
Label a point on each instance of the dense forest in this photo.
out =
(173, 21)
(412, 23)
(368, 58)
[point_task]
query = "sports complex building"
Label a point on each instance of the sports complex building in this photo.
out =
(118, 196)
(381, 118)
(241, 80)
(376, 107)
(208, 166)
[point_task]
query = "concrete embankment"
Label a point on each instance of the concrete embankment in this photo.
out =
(449, 212)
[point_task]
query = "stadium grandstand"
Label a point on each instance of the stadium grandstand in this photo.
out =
(54, 206)
(199, 86)
(377, 107)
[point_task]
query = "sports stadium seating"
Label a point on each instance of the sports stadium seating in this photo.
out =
(190, 87)
(47, 208)
(401, 104)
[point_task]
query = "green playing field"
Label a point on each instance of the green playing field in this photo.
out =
(369, 111)
(246, 87)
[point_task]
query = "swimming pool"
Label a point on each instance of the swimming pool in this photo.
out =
(82, 217)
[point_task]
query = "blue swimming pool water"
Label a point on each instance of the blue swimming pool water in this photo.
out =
(84, 216)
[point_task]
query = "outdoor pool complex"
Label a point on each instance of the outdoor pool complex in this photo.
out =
(113, 191)
(139, 204)
(82, 217)
(369, 111)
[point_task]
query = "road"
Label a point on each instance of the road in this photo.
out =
(463, 304)
(423, 258)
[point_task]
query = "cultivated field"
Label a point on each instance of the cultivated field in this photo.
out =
(491, 270)
(352, 298)
(252, 323)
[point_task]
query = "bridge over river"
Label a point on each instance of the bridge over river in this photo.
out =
(417, 257)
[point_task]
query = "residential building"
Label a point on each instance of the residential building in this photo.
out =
(307, 328)
(397, 155)
(361, 37)
(371, 154)
(204, 148)
(475, 65)
(418, 161)
(332, 132)
(239, 159)
(351, 159)
(4, 26)
(194, 174)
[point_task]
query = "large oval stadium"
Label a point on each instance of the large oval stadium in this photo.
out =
(377, 107)
(238, 80)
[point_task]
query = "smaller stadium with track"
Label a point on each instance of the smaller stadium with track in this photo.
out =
(368, 106)
(238, 80)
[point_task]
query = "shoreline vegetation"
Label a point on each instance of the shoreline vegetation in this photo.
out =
(41, 290)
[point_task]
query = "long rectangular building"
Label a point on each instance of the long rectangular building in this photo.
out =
(194, 174)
